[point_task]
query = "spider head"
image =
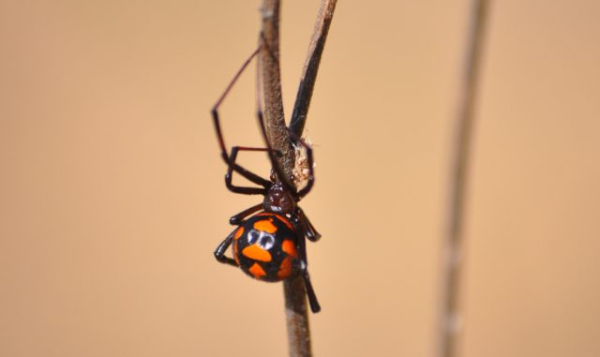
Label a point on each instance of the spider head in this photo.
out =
(279, 200)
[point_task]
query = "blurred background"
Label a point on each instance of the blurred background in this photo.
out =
(112, 197)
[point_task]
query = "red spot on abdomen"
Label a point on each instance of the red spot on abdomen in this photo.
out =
(257, 271)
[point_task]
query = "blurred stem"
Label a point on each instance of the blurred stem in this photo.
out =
(294, 290)
(454, 238)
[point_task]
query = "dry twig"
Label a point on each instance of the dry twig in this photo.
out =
(311, 66)
(295, 295)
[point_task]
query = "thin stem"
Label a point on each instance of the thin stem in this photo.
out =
(311, 66)
(454, 237)
(269, 68)
(296, 316)
(295, 295)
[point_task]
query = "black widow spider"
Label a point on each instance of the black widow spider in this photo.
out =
(270, 245)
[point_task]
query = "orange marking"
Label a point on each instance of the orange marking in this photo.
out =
(265, 226)
(257, 271)
(285, 270)
(289, 247)
(235, 253)
(238, 233)
(257, 253)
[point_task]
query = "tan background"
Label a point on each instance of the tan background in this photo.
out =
(112, 197)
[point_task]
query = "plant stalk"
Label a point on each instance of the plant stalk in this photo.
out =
(299, 342)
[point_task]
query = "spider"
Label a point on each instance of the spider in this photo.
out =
(271, 244)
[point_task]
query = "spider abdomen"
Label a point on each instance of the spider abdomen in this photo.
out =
(264, 246)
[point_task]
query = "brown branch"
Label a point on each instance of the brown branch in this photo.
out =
(294, 291)
(311, 66)
(454, 238)
(270, 78)
(268, 61)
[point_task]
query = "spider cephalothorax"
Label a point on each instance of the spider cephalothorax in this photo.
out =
(279, 200)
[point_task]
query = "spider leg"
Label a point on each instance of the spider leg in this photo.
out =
(310, 162)
(230, 160)
(241, 189)
(232, 168)
(217, 124)
(311, 232)
(312, 298)
(222, 248)
(238, 218)
(310, 292)
(215, 108)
